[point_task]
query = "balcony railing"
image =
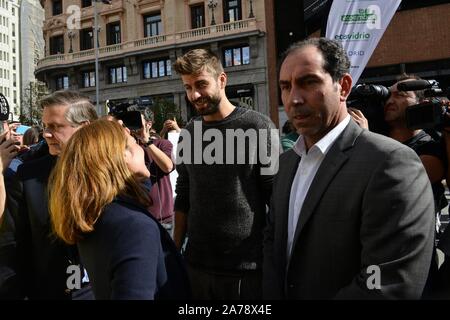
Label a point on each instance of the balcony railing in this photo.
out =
(209, 32)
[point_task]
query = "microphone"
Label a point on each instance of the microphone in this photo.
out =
(4, 108)
(413, 85)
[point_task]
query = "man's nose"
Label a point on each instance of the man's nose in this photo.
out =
(195, 95)
(389, 101)
(47, 134)
(296, 97)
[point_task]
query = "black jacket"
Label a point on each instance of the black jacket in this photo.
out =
(33, 262)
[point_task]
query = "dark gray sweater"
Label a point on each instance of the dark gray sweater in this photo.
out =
(225, 202)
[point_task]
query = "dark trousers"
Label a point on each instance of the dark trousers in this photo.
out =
(243, 285)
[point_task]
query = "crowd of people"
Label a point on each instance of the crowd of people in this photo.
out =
(87, 210)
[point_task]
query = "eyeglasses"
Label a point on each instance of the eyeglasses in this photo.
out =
(55, 128)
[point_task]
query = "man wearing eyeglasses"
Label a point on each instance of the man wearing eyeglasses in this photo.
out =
(34, 264)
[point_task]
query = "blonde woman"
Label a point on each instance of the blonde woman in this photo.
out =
(97, 201)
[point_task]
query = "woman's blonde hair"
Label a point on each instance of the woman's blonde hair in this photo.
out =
(90, 172)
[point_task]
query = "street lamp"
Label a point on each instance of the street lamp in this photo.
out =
(251, 15)
(95, 29)
(71, 34)
(212, 4)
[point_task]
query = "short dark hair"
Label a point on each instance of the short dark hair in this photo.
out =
(336, 61)
(420, 94)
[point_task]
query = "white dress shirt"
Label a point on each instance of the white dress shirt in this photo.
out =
(309, 164)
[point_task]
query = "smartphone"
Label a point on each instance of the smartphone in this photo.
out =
(22, 129)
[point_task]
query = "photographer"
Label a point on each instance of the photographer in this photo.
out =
(159, 161)
(429, 150)
(444, 240)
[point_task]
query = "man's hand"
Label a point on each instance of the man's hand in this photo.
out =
(171, 125)
(8, 149)
(359, 118)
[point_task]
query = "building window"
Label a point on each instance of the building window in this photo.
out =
(118, 74)
(86, 39)
(157, 68)
(152, 25)
(14, 63)
(236, 56)
(86, 3)
(113, 33)
(57, 45)
(13, 27)
(56, 7)
(89, 79)
(62, 82)
(232, 10)
(197, 16)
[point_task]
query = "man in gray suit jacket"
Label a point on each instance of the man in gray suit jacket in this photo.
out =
(352, 211)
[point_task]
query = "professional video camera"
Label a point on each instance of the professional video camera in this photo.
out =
(370, 99)
(131, 118)
(430, 114)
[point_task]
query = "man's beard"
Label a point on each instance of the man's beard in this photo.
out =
(212, 105)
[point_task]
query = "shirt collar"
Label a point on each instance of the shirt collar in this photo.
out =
(324, 144)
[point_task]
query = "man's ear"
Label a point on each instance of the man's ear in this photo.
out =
(346, 86)
(222, 80)
(85, 123)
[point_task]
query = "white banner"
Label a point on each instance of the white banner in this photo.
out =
(359, 25)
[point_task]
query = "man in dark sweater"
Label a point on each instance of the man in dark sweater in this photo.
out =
(226, 159)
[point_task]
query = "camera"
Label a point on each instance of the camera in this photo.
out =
(430, 114)
(370, 99)
(131, 119)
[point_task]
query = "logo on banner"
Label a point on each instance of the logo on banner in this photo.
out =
(358, 25)
(352, 53)
(362, 16)
(354, 36)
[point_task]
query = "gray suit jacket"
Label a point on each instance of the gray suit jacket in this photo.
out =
(369, 206)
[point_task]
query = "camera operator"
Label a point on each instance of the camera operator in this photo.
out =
(160, 163)
(443, 275)
(428, 149)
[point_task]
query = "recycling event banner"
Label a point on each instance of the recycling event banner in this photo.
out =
(358, 25)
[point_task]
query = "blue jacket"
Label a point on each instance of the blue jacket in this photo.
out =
(129, 255)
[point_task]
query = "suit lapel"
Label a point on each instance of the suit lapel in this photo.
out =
(334, 160)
